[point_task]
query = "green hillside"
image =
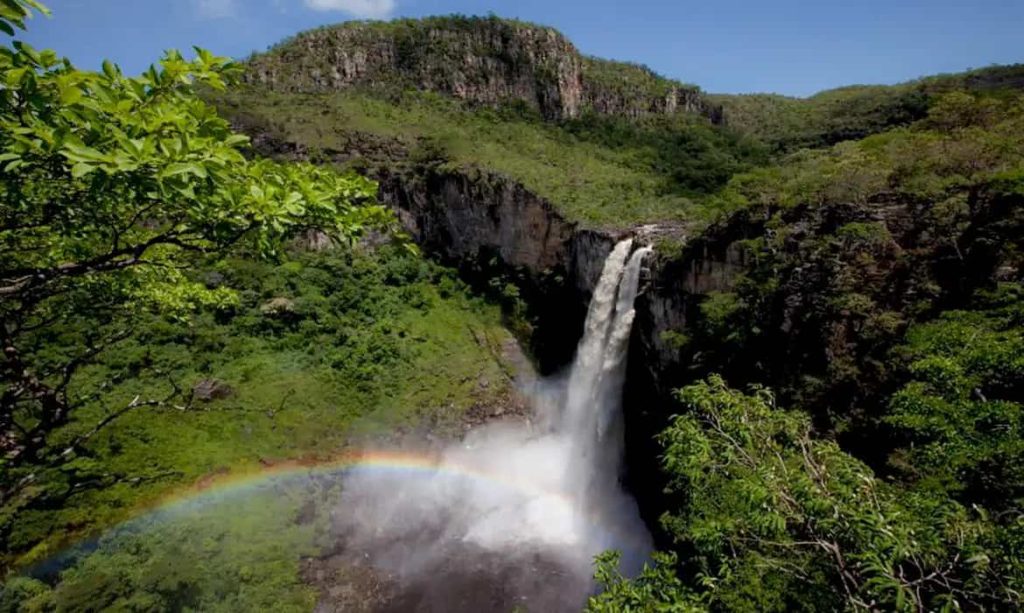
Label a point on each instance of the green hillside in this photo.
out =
(604, 171)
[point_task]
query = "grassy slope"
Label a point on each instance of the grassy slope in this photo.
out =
(785, 123)
(605, 171)
(600, 172)
(376, 343)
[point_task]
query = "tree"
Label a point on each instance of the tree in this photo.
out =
(656, 590)
(770, 518)
(961, 410)
(111, 189)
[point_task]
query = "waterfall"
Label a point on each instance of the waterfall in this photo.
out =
(591, 415)
(511, 498)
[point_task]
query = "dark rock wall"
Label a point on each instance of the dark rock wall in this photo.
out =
(489, 226)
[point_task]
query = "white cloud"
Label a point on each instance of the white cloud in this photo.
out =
(215, 9)
(366, 9)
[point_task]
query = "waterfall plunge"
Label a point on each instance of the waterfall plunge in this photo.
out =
(515, 514)
(591, 415)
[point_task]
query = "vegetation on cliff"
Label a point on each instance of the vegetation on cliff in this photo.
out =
(604, 171)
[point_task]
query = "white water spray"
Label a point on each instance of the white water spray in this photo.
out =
(529, 509)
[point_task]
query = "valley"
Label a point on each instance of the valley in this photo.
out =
(821, 408)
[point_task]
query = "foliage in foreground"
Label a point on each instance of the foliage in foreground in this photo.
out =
(961, 410)
(111, 187)
(773, 519)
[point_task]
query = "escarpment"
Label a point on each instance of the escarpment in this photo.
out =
(484, 61)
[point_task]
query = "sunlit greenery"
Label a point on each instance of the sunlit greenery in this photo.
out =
(231, 550)
(600, 170)
(962, 409)
(111, 188)
(121, 198)
(786, 124)
(773, 519)
(352, 352)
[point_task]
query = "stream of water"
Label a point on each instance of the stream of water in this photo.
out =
(514, 514)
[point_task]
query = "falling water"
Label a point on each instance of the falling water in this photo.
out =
(594, 392)
(515, 514)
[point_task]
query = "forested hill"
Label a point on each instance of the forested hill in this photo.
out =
(787, 123)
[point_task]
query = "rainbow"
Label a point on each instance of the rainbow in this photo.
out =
(219, 487)
(366, 460)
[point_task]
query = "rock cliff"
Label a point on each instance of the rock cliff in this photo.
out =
(486, 61)
(491, 228)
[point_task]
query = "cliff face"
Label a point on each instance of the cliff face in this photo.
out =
(813, 299)
(630, 90)
(486, 61)
(493, 228)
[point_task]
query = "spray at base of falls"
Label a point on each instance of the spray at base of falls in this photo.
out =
(516, 509)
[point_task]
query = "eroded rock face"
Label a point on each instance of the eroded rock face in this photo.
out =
(491, 227)
(466, 217)
(483, 61)
(462, 217)
(486, 61)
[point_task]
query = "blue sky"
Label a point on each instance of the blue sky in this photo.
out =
(785, 46)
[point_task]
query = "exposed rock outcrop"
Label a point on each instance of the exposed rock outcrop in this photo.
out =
(487, 61)
(208, 390)
(492, 227)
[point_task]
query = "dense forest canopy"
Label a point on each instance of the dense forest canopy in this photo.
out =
(197, 280)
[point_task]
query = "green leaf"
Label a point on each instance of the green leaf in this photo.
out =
(14, 77)
(70, 95)
(110, 69)
(29, 51)
(81, 169)
(81, 153)
(182, 168)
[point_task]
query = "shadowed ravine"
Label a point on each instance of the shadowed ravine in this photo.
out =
(514, 513)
